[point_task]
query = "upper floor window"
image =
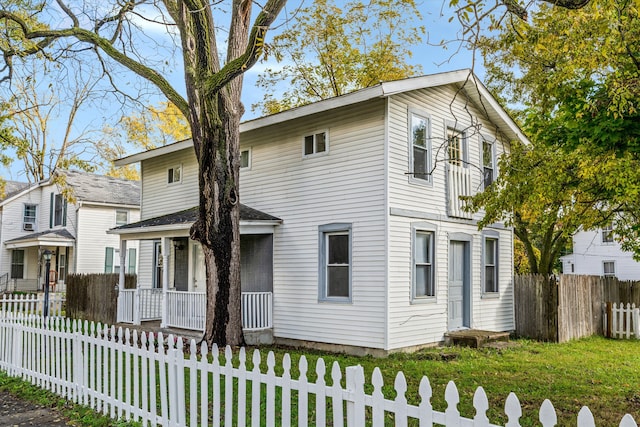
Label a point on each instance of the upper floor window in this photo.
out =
(335, 262)
(488, 163)
(490, 265)
(29, 217)
(456, 148)
(607, 234)
(315, 143)
(609, 268)
(58, 211)
(245, 159)
(420, 147)
(122, 217)
(174, 174)
(423, 269)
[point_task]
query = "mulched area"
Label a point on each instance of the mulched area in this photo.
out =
(18, 412)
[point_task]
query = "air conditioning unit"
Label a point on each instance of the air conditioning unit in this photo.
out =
(28, 226)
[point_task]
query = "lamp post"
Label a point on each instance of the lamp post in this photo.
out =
(47, 259)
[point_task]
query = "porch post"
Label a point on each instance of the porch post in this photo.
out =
(123, 253)
(166, 247)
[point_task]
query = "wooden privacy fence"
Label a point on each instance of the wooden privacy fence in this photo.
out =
(151, 380)
(95, 296)
(560, 308)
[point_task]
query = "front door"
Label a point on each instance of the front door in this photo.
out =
(459, 298)
(181, 259)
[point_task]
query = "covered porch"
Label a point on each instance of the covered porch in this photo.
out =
(171, 285)
(28, 270)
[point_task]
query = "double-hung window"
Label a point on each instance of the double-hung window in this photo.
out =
(315, 143)
(609, 268)
(488, 163)
(58, 210)
(245, 159)
(420, 147)
(122, 217)
(490, 265)
(335, 262)
(174, 174)
(607, 234)
(456, 148)
(423, 266)
(29, 217)
(17, 264)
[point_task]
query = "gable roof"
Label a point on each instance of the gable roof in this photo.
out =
(13, 187)
(88, 188)
(465, 80)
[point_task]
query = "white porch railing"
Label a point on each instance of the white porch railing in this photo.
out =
(186, 310)
(459, 184)
(150, 304)
(126, 300)
(257, 310)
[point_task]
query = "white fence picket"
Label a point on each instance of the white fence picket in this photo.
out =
(115, 372)
(625, 321)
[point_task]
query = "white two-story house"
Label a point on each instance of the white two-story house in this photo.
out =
(352, 223)
(40, 217)
(597, 253)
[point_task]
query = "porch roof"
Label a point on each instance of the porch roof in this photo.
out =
(59, 237)
(183, 220)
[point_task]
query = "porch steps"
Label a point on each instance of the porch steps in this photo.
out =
(475, 338)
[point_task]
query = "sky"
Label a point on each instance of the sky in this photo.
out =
(429, 53)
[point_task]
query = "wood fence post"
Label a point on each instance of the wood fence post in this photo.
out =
(609, 319)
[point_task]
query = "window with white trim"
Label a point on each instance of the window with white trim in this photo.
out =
(488, 163)
(122, 217)
(456, 147)
(29, 217)
(17, 264)
(315, 143)
(335, 262)
(609, 268)
(420, 147)
(607, 233)
(423, 266)
(245, 159)
(174, 174)
(490, 265)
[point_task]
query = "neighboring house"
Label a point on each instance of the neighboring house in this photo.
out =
(351, 218)
(39, 217)
(596, 253)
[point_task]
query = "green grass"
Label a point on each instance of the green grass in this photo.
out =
(595, 372)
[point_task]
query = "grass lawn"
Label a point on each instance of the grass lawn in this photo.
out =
(599, 373)
(596, 372)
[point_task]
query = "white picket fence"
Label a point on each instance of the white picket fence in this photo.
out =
(150, 379)
(32, 303)
(625, 321)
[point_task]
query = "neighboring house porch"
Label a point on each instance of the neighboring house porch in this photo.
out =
(175, 291)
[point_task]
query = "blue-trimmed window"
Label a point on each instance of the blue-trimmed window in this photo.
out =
(335, 262)
(490, 264)
(423, 264)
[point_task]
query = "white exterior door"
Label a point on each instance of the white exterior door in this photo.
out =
(458, 268)
(199, 275)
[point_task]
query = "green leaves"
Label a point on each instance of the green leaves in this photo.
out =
(329, 51)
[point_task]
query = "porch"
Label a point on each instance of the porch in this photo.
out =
(186, 310)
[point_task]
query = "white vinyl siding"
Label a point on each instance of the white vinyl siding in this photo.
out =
(346, 186)
(160, 198)
(92, 238)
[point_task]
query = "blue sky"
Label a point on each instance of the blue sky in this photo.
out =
(428, 53)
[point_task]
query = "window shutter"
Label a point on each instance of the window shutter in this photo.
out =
(108, 260)
(51, 207)
(64, 213)
(132, 261)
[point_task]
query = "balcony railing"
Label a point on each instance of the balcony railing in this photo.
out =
(458, 184)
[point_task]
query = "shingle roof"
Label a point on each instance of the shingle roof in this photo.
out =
(188, 216)
(13, 187)
(61, 233)
(103, 189)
